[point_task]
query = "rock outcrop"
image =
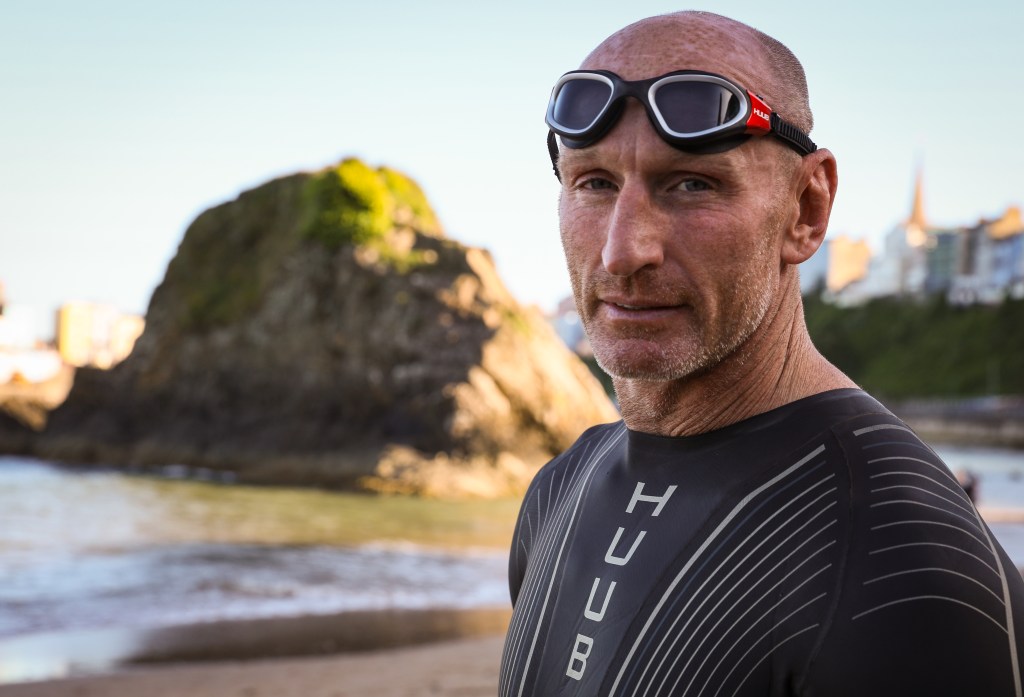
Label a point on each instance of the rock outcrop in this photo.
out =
(25, 407)
(322, 330)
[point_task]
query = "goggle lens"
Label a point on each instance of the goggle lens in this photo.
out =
(579, 102)
(690, 107)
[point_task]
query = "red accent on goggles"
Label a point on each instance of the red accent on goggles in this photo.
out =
(691, 110)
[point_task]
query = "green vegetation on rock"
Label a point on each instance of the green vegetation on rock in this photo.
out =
(897, 349)
(231, 253)
(356, 204)
(411, 205)
(350, 203)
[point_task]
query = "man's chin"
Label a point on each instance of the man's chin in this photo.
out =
(646, 361)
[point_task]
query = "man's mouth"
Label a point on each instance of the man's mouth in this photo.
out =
(640, 303)
(624, 308)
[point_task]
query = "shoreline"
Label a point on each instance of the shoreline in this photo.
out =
(77, 656)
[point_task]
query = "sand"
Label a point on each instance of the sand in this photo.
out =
(384, 653)
(460, 668)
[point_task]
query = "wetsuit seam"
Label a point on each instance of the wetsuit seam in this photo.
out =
(541, 481)
(517, 568)
(842, 557)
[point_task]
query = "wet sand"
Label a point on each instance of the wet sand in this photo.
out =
(460, 668)
(424, 652)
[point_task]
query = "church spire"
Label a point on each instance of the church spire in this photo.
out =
(917, 218)
(917, 224)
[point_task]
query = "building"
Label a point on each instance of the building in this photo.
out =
(848, 261)
(901, 268)
(96, 335)
(1008, 252)
(990, 262)
(904, 266)
(983, 263)
(942, 260)
(22, 358)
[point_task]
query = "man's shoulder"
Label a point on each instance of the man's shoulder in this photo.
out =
(863, 428)
(925, 599)
(924, 580)
(839, 406)
(594, 440)
(902, 490)
(567, 469)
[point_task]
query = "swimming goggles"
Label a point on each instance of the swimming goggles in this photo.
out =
(691, 110)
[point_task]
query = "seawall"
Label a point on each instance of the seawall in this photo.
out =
(984, 421)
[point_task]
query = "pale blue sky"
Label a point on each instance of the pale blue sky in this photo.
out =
(121, 120)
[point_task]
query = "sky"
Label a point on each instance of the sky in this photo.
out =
(121, 121)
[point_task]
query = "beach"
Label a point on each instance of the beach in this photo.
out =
(424, 652)
(182, 583)
(196, 588)
(460, 668)
(366, 654)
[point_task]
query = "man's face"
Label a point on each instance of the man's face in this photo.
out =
(674, 258)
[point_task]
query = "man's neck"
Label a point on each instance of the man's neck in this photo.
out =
(777, 365)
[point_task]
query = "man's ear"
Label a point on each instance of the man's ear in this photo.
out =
(817, 182)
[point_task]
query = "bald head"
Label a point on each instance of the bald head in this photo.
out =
(704, 41)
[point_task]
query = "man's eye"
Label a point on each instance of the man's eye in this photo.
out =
(597, 184)
(694, 185)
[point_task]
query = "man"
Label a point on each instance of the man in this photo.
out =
(756, 525)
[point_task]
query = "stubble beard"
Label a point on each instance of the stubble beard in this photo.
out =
(649, 357)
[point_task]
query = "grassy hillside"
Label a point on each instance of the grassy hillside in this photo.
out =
(900, 349)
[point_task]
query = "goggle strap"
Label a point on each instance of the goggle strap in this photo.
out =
(553, 152)
(791, 134)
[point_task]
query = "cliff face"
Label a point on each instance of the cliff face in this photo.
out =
(320, 329)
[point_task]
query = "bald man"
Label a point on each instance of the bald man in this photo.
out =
(755, 525)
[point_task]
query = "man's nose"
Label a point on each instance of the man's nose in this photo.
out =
(633, 238)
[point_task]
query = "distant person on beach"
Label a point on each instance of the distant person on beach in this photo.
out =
(968, 482)
(755, 524)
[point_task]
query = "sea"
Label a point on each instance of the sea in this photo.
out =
(99, 549)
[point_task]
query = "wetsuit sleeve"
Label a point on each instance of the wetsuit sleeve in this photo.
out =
(929, 603)
(522, 538)
(537, 505)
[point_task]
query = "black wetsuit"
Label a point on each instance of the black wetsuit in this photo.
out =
(818, 549)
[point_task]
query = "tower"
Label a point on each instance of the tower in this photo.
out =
(917, 225)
